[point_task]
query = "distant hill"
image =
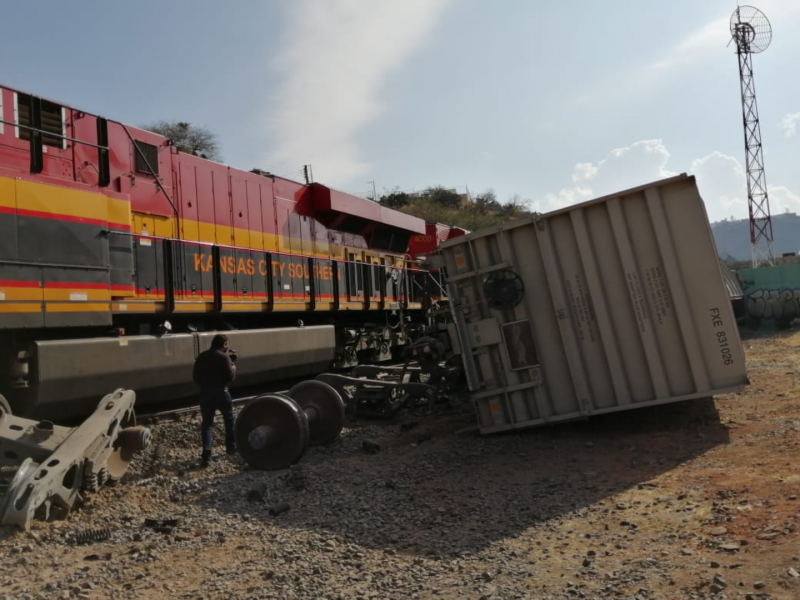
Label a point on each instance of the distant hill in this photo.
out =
(438, 204)
(733, 237)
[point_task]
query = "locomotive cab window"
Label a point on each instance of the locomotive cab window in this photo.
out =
(147, 154)
(53, 122)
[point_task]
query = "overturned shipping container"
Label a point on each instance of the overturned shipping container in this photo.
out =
(608, 305)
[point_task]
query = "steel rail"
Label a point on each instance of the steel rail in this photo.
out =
(187, 410)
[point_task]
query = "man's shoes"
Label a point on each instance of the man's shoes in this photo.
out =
(205, 460)
(230, 450)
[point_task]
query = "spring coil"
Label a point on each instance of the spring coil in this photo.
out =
(6, 477)
(102, 477)
(90, 483)
(90, 536)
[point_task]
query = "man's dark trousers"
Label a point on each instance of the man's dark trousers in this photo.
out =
(210, 403)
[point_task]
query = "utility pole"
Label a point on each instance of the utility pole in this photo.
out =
(374, 193)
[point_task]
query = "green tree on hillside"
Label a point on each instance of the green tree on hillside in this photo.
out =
(442, 196)
(189, 138)
(395, 199)
(487, 201)
(437, 204)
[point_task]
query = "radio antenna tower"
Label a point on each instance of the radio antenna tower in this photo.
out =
(752, 33)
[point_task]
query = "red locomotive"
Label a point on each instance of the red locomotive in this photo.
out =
(119, 253)
(435, 233)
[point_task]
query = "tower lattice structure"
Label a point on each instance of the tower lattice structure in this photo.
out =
(761, 238)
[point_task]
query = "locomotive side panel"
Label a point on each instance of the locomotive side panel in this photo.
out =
(145, 175)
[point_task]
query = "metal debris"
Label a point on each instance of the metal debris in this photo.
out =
(92, 536)
(46, 467)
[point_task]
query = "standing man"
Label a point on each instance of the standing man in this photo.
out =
(213, 371)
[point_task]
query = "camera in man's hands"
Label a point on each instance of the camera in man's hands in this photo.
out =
(233, 355)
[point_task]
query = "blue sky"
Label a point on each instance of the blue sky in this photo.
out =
(555, 102)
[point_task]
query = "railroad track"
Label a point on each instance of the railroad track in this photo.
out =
(165, 410)
(177, 413)
(275, 428)
(168, 410)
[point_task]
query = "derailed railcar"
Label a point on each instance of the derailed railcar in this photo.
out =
(608, 305)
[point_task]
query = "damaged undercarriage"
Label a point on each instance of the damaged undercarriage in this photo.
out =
(47, 469)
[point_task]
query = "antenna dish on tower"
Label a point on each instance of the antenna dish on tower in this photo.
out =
(750, 29)
(752, 33)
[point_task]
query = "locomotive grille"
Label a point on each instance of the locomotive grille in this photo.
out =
(150, 153)
(52, 121)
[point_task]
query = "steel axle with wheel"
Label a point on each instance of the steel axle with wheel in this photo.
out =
(274, 430)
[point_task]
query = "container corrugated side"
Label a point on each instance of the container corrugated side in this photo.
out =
(624, 306)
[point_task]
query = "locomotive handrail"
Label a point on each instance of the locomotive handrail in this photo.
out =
(54, 135)
(37, 136)
(439, 285)
(155, 177)
(105, 148)
(229, 247)
(50, 264)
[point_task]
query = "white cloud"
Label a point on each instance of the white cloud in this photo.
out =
(583, 172)
(623, 168)
(564, 197)
(789, 124)
(723, 185)
(782, 199)
(721, 179)
(700, 42)
(631, 166)
(336, 57)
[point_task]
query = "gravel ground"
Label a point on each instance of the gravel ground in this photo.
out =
(694, 500)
